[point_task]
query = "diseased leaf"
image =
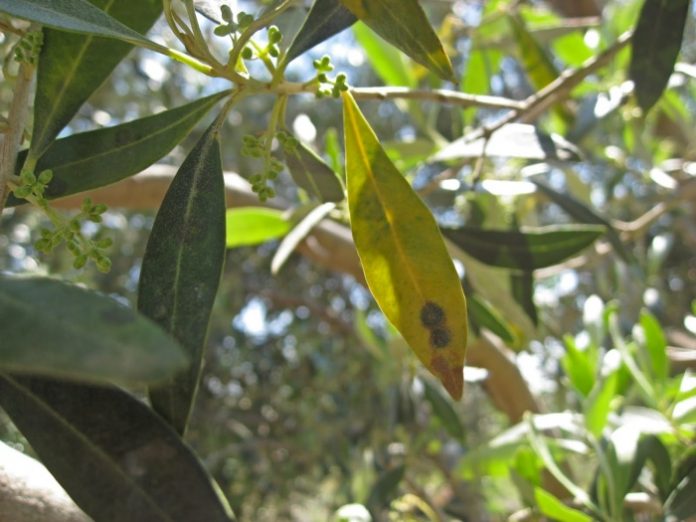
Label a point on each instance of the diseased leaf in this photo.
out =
(52, 328)
(311, 173)
(72, 66)
(298, 234)
(403, 24)
(113, 455)
(182, 268)
(403, 255)
(325, 19)
(250, 226)
(655, 46)
(93, 159)
(524, 250)
(444, 411)
(583, 214)
(78, 16)
(515, 140)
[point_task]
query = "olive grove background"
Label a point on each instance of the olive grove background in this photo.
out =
(579, 394)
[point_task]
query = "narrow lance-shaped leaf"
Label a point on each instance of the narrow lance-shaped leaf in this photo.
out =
(78, 16)
(311, 173)
(524, 250)
(403, 255)
(182, 267)
(656, 43)
(56, 329)
(112, 454)
(250, 226)
(72, 66)
(583, 214)
(403, 24)
(325, 19)
(97, 158)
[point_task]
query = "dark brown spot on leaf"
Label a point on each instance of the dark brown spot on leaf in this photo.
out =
(432, 315)
(439, 337)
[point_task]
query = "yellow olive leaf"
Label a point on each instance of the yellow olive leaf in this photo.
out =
(403, 255)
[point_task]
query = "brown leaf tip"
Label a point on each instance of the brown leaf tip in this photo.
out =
(452, 378)
(432, 315)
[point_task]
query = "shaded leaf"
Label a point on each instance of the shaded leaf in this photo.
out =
(527, 250)
(182, 267)
(682, 499)
(251, 226)
(384, 489)
(443, 410)
(77, 16)
(652, 450)
(522, 287)
(403, 255)
(72, 66)
(210, 9)
(515, 140)
(656, 42)
(114, 457)
(403, 24)
(93, 159)
(484, 315)
(298, 234)
(56, 329)
(579, 211)
(325, 19)
(311, 173)
(552, 507)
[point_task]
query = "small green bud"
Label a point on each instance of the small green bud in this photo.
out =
(274, 34)
(321, 78)
(104, 242)
(226, 13)
(244, 19)
(80, 261)
(22, 192)
(273, 51)
(43, 245)
(247, 53)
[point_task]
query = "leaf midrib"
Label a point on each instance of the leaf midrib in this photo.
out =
(98, 452)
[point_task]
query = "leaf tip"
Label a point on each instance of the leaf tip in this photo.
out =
(451, 376)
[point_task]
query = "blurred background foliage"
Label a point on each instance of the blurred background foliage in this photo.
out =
(311, 402)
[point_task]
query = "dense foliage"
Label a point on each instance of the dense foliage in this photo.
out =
(508, 182)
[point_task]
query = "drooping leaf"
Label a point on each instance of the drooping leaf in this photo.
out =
(325, 19)
(298, 234)
(311, 173)
(552, 507)
(403, 255)
(56, 329)
(72, 66)
(182, 268)
(443, 410)
(583, 214)
(515, 140)
(113, 455)
(250, 226)
(78, 16)
(93, 159)
(403, 24)
(656, 43)
(522, 287)
(524, 250)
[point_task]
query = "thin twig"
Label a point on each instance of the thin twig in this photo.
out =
(554, 92)
(12, 138)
